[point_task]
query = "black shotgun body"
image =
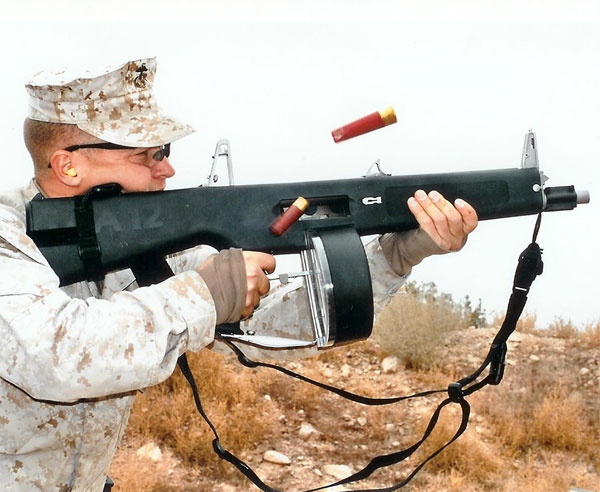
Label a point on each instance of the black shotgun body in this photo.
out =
(122, 228)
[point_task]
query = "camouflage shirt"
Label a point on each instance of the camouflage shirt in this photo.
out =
(72, 358)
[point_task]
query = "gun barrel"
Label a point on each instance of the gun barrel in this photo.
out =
(564, 198)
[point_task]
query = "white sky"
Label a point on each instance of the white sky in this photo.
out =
(467, 80)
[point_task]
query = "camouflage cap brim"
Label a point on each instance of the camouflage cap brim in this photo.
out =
(151, 129)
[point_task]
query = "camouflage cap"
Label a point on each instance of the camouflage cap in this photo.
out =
(116, 105)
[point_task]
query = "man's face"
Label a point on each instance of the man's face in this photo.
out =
(134, 169)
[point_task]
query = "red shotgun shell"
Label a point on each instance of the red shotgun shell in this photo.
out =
(287, 218)
(366, 124)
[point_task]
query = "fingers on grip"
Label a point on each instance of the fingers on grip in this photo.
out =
(257, 265)
(447, 224)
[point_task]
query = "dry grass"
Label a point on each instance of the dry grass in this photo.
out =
(542, 414)
(591, 335)
(548, 472)
(526, 323)
(468, 456)
(587, 336)
(167, 414)
(561, 328)
(140, 474)
(559, 422)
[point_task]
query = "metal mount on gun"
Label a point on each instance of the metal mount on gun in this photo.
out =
(221, 150)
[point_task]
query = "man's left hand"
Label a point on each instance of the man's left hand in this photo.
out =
(446, 224)
(443, 227)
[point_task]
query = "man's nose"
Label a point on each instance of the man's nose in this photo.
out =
(163, 169)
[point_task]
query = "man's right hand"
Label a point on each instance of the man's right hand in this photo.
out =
(257, 266)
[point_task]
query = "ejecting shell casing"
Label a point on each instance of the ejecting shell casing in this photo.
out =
(288, 217)
(366, 124)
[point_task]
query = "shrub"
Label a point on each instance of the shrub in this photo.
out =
(561, 328)
(543, 416)
(558, 421)
(416, 321)
(468, 455)
(591, 335)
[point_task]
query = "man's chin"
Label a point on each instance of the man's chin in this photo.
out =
(151, 187)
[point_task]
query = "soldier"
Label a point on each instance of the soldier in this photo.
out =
(72, 358)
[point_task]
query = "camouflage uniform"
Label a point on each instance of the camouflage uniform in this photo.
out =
(72, 358)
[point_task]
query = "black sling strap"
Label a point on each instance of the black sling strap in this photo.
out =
(529, 267)
(88, 247)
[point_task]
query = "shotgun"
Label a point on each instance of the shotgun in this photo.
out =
(84, 237)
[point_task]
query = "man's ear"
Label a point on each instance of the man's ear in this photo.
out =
(64, 169)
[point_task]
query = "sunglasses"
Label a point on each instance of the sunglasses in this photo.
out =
(159, 155)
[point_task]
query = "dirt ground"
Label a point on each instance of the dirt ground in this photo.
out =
(324, 437)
